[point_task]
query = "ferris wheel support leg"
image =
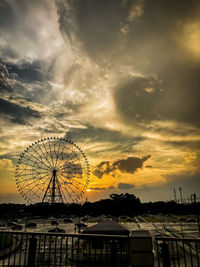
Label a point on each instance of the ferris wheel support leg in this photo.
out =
(60, 194)
(47, 189)
(53, 187)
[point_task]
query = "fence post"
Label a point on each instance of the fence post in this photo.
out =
(165, 255)
(32, 251)
(113, 254)
(141, 250)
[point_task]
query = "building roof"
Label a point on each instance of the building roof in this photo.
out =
(107, 227)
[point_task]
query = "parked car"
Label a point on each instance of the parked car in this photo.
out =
(190, 220)
(130, 220)
(10, 224)
(67, 220)
(31, 225)
(81, 225)
(16, 227)
(54, 222)
(181, 219)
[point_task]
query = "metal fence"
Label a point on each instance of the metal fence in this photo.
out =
(177, 252)
(52, 249)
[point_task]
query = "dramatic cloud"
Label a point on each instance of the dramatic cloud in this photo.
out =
(124, 186)
(111, 187)
(17, 113)
(148, 166)
(6, 81)
(129, 165)
(97, 188)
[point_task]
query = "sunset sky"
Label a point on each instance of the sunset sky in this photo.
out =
(122, 76)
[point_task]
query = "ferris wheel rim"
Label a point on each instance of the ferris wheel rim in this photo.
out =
(48, 165)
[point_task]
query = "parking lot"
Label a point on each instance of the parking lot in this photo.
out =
(157, 225)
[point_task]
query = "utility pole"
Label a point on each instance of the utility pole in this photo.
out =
(181, 200)
(175, 198)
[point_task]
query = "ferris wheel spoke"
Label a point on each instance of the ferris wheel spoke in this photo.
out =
(68, 176)
(74, 192)
(35, 192)
(78, 188)
(69, 183)
(75, 181)
(31, 173)
(57, 155)
(61, 153)
(51, 155)
(45, 155)
(39, 188)
(61, 189)
(48, 155)
(68, 163)
(67, 187)
(28, 159)
(71, 170)
(39, 157)
(31, 178)
(36, 152)
(67, 169)
(57, 151)
(34, 164)
(36, 185)
(70, 197)
(43, 177)
(35, 178)
(33, 168)
(81, 162)
(67, 157)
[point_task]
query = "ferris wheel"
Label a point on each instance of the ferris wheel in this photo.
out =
(52, 170)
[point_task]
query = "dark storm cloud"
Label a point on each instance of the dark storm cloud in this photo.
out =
(149, 166)
(26, 72)
(16, 113)
(98, 22)
(125, 186)
(101, 135)
(11, 157)
(155, 39)
(192, 144)
(167, 101)
(97, 188)
(7, 81)
(152, 45)
(128, 165)
(17, 77)
(111, 187)
(131, 164)
(139, 99)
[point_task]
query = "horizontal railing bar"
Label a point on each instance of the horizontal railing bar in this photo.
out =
(177, 239)
(67, 235)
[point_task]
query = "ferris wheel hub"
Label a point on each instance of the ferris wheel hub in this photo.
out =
(54, 172)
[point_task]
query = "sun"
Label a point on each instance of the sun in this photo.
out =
(88, 190)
